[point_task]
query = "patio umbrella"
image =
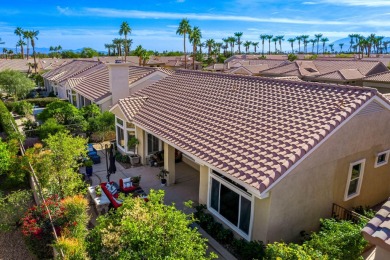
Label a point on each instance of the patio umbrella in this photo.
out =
(111, 167)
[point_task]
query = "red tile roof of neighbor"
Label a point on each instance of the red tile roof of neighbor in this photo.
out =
(348, 69)
(70, 70)
(252, 128)
(377, 230)
(95, 84)
(381, 77)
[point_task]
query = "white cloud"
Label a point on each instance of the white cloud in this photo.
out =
(370, 3)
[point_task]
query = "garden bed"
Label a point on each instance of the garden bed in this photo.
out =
(12, 246)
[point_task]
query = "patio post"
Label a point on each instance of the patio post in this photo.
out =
(169, 163)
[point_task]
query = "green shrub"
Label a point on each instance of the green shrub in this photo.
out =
(365, 211)
(338, 239)
(23, 108)
(12, 208)
(42, 102)
(248, 250)
(6, 121)
(280, 250)
(344, 55)
(292, 57)
(122, 158)
(50, 127)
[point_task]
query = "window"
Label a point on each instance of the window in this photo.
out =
(355, 178)
(130, 134)
(74, 100)
(382, 158)
(231, 204)
(120, 137)
(153, 144)
(119, 121)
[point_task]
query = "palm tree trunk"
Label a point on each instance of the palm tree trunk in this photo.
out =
(35, 62)
(125, 46)
(193, 58)
(185, 53)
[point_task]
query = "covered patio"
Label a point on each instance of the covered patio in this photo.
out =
(186, 186)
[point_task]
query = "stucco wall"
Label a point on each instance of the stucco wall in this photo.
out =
(106, 105)
(382, 87)
(203, 184)
(307, 193)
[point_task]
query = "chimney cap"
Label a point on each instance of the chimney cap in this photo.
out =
(117, 64)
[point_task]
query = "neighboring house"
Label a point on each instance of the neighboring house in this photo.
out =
(377, 232)
(380, 81)
(55, 79)
(245, 66)
(273, 155)
(92, 85)
(349, 72)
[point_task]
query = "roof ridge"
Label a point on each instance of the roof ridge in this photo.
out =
(377, 74)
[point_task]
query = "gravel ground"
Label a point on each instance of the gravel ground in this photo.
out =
(12, 247)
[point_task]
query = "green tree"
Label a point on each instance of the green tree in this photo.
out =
(90, 111)
(280, 250)
(184, 28)
(139, 53)
(69, 55)
(56, 164)
(19, 32)
(50, 127)
(263, 37)
(12, 208)
(238, 36)
(291, 41)
(338, 239)
(125, 30)
(146, 230)
(87, 52)
(15, 83)
(102, 124)
(318, 37)
(34, 36)
(194, 36)
(5, 157)
(324, 40)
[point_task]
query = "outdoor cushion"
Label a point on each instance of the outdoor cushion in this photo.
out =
(125, 185)
(115, 203)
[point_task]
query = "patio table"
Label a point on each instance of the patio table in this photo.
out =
(101, 203)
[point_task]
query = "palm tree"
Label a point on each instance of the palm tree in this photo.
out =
(21, 43)
(108, 47)
(226, 46)
(351, 42)
(125, 30)
(269, 38)
(305, 42)
(238, 40)
(275, 40)
(313, 41)
(33, 37)
(247, 44)
(232, 40)
(341, 46)
(19, 32)
(331, 47)
(363, 44)
(263, 37)
(378, 43)
(385, 45)
(5, 53)
(218, 46)
(183, 29)
(255, 45)
(59, 48)
(139, 52)
(280, 39)
(291, 41)
(210, 44)
(200, 45)
(194, 36)
(371, 39)
(324, 40)
(27, 36)
(318, 37)
(299, 38)
(118, 44)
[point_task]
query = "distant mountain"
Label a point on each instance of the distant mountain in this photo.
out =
(42, 50)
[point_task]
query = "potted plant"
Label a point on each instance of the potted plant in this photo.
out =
(162, 174)
(136, 180)
(98, 191)
(88, 167)
(132, 144)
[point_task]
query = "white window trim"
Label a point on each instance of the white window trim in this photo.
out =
(362, 162)
(123, 126)
(250, 197)
(387, 152)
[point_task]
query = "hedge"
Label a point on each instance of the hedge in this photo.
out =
(40, 102)
(6, 121)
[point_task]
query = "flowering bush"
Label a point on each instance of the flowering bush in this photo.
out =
(69, 217)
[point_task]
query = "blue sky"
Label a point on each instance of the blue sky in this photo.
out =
(84, 23)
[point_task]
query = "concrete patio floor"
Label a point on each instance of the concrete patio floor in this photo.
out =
(186, 186)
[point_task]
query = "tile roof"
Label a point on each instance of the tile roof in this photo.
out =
(70, 70)
(348, 68)
(292, 78)
(131, 105)
(95, 84)
(252, 128)
(16, 64)
(343, 74)
(216, 66)
(381, 77)
(377, 230)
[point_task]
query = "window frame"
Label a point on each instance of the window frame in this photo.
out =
(387, 152)
(241, 193)
(360, 179)
(125, 129)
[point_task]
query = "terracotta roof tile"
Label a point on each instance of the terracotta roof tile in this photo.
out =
(70, 70)
(250, 127)
(381, 77)
(377, 230)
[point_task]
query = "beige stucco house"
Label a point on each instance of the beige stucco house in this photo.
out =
(273, 155)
